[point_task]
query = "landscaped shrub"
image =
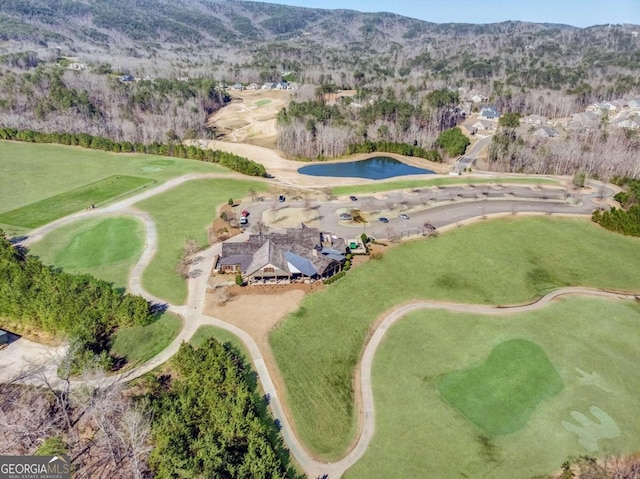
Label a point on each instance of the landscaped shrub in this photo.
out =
(239, 280)
(335, 277)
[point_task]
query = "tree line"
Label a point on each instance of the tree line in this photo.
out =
(79, 307)
(209, 422)
(176, 150)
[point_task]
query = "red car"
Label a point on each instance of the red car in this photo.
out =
(244, 213)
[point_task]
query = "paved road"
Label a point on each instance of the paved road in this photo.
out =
(456, 208)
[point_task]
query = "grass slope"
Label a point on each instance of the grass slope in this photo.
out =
(32, 172)
(106, 248)
(138, 344)
(406, 184)
(503, 261)
(50, 209)
(592, 343)
(181, 213)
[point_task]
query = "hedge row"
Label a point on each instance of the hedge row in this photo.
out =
(178, 150)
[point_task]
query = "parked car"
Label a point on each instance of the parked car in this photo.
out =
(403, 216)
(281, 198)
(244, 213)
(382, 219)
(244, 220)
(346, 217)
(353, 198)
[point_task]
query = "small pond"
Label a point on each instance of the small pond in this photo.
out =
(378, 168)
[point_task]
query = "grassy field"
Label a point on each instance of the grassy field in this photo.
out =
(591, 343)
(181, 213)
(504, 261)
(50, 209)
(458, 180)
(264, 101)
(32, 172)
(138, 344)
(106, 248)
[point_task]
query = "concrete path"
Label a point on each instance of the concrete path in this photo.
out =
(193, 318)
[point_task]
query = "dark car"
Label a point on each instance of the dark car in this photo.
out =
(383, 219)
(281, 198)
(353, 198)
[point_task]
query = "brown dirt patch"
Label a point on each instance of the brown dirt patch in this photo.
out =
(250, 117)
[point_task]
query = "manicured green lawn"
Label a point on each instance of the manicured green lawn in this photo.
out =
(138, 344)
(591, 343)
(50, 209)
(32, 172)
(106, 248)
(181, 213)
(458, 180)
(264, 101)
(500, 395)
(506, 261)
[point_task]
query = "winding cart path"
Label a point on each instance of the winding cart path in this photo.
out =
(193, 318)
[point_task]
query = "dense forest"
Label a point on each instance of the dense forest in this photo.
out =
(208, 420)
(129, 72)
(77, 307)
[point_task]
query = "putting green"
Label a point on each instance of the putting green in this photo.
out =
(105, 247)
(501, 394)
(592, 345)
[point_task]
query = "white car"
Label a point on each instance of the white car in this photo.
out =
(403, 216)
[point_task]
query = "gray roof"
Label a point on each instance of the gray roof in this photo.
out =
(299, 247)
(243, 260)
(304, 265)
(267, 254)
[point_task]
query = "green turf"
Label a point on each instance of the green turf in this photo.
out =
(500, 395)
(503, 261)
(205, 332)
(459, 180)
(106, 248)
(32, 172)
(592, 343)
(138, 344)
(180, 213)
(50, 209)
(264, 101)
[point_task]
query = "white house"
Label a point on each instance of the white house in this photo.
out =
(535, 120)
(546, 132)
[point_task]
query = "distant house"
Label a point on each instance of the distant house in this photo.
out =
(629, 123)
(269, 86)
(283, 85)
(183, 79)
(489, 113)
(546, 132)
(126, 78)
(586, 120)
(635, 104)
(237, 86)
(77, 66)
(298, 254)
(535, 120)
(483, 125)
(252, 86)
